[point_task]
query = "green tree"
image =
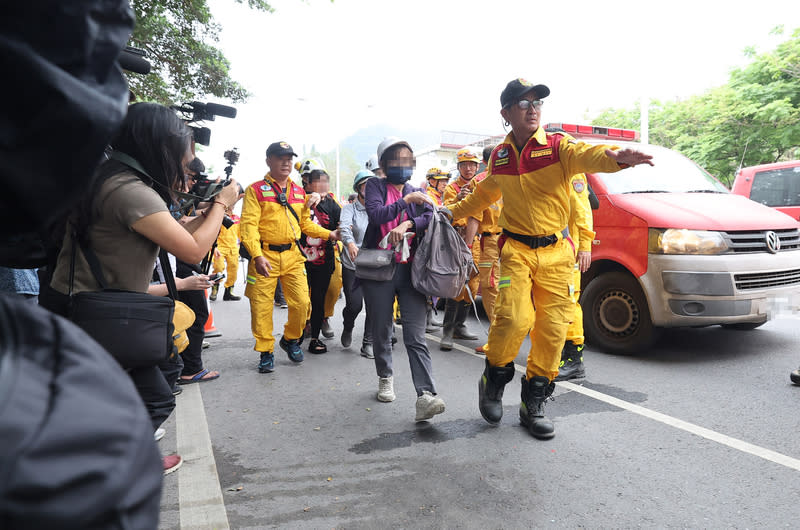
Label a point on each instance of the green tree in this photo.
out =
(753, 119)
(179, 37)
(348, 167)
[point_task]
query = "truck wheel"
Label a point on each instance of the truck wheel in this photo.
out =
(743, 326)
(616, 318)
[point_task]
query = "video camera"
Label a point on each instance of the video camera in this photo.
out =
(206, 188)
(198, 111)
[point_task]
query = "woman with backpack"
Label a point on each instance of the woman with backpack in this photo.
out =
(399, 213)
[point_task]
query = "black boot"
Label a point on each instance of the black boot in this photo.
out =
(448, 325)
(229, 296)
(490, 391)
(795, 376)
(571, 366)
(214, 291)
(461, 331)
(531, 410)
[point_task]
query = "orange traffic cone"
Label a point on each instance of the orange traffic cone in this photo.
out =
(210, 329)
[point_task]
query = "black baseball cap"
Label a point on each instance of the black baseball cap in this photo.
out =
(280, 149)
(518, 88)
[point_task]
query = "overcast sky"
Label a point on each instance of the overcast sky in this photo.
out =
(319, 71)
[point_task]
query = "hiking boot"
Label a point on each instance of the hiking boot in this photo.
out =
(267, 363)
(214, 291)
(386, 389)
(347, 335)
(317, 346)
(366, 350)
(171, 463)
(448, 325)
(795, 376)
(490, 390)
(571, 366)
(327, 331)
(229, 296)
(531, 410)
(460, 330)
(428, 406)
(292, 349)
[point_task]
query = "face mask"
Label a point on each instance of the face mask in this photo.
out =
(399, 174)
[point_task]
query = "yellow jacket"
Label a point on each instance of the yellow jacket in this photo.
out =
(581, 228)
(534, 183)
(491, 215)
(452, 190)
(435, 195)
(228, 239)
(266, 221)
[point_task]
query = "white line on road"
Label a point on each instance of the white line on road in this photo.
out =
(199, 492)
(734, 443)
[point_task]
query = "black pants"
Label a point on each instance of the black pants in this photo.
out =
(319, 277)
(354, 302)
(155, 392)
(196, 300)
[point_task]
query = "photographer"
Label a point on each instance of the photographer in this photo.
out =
(125, 218)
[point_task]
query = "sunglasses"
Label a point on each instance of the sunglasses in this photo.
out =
(525, 104)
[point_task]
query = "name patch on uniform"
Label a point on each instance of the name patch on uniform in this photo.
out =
(578, 186)
(542, 152)
(501, 161)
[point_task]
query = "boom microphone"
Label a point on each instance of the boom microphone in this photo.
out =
(215, 109)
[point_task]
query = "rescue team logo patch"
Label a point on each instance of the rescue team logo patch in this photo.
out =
(578, 186)
(264, 187)
(285, 145)
(524, 82)
(542, 152)
(503, 153)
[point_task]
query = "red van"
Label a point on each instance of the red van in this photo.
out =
(776, 185)
(675, 248)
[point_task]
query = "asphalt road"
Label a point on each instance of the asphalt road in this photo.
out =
(700, 432)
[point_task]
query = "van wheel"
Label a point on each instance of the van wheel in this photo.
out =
(743, 326)
(616, 318)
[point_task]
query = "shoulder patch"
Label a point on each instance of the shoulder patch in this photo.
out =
(578, 186)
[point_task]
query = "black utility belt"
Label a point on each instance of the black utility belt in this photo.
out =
(533, 241)
(277, 248)
(487, 234)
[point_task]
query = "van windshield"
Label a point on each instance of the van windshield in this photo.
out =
(672, 173)
(777, 187)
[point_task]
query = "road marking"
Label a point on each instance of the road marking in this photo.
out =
(734, 443)
(199, 493)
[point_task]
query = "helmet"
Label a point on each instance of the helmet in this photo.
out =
(467, 155)
(361, 177)
(436, 173)
(389, 142)
(372, 163)
(309, 165)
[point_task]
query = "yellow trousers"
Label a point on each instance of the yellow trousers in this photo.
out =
(575, 328)
(528, 277)
(231, 257)
(489, 268)
(290, 267)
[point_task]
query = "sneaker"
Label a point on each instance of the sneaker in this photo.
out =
(292, 349)
(159, 434)
(428, 406)
(176, 390)
(267, 363)
(327, 330)
(206, 344)
(366, 351)
(386, 389)
(171, 463)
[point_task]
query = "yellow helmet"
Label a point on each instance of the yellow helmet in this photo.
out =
(436, 173)
(467, 154)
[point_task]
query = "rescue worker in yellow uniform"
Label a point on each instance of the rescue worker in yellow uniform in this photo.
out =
(226, 256)
(457, 309)
(274, 214)
(531, 171)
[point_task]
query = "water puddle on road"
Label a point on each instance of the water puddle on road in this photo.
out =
(423, 433)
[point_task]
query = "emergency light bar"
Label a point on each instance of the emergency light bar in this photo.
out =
(591, 131)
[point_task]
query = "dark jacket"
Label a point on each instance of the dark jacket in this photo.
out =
(380, 213)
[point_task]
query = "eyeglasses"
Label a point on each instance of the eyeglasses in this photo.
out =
(525, 104)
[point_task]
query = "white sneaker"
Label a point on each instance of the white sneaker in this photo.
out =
(386, 389)
(428, 406)
(159, 434)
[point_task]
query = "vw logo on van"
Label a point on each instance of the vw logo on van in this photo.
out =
(773, 242)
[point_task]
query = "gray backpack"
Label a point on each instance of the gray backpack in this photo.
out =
(443, 261)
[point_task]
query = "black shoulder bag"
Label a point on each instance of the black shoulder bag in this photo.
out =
(135, 328)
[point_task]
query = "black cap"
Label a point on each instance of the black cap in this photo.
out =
(518, 88)
(280, 149)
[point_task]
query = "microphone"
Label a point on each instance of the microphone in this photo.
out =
(215, 109)
(132, 60)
